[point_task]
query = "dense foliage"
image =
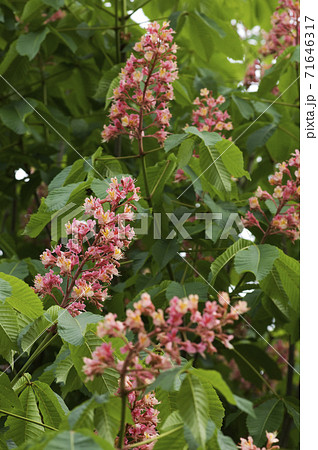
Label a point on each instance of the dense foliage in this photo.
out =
(149, 269)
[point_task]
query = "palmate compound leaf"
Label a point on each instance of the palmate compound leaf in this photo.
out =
(269, 416)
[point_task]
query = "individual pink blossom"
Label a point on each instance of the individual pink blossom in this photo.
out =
(140, 102)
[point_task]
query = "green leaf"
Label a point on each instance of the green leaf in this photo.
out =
(216, 410)
(257, 259)
(5, 289)
(216, 380)
(8, 397)
(172, 433)
(49, 405)
(21, 431)
(232, 158)
(73, 440)
(14, 114)
(181, 94)
(293, 410)
(167, 380)
(107, 419)
(29, 44)
(282, 283)
(174, 140)
(32, 332)
(60, 196)
(259, 137)
(185, 152)
(244, 405)
(56, 4)
(23, 298)
(244, 107)
(213, 168)
(164, 251)
(269, 416)
(72, 329)
(82, 416)
(18, 269)
(225, 257)
(109, 96)
(259, 359)
(210, 139)
(38, 221)
(193, 407)
(31, 9)
(289, 273)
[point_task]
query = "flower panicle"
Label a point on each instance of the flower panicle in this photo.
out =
(92, 254)
(169, 335)
(285, 198)
(140, 102)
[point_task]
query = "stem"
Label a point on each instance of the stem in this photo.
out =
(42, 346)
(123, 415)
(27, 419)
(169, 268)
(144, 172)
(148, 441)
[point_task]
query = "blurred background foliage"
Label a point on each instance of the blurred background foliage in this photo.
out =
(59, 63)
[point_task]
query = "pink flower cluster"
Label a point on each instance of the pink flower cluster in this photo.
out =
(248, 444)
(141, 100)
(144, 415)
(92, 254)
(208, 117)
(285, 29)
(170, 334)
(284, 33)
(285, 197)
